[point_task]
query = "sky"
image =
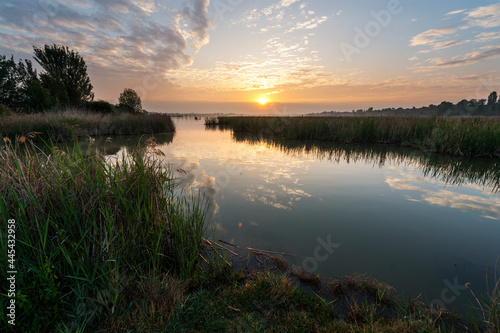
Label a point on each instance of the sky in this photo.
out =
(298, 56)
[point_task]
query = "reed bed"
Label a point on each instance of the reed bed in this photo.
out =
(468, 137)
(90, 230)
(72, 124)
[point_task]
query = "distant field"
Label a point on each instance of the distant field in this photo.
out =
(462, 136)
(69, 125)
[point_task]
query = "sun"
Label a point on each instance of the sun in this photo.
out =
(262, 101)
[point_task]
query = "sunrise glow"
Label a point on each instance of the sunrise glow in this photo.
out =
(262, 101)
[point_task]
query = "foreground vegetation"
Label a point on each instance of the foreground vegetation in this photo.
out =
(70, 125)
(111, 246)
(90, 232)
(468, 137)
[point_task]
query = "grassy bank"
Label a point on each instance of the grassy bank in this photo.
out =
(469, 137)
(70, 125)
(89, 234)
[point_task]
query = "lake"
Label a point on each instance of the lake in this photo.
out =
(423, 223)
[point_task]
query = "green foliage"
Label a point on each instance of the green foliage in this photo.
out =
(14, 81)
(8, 83)
(87, 227)
(100, 106)
(65, 74)
(38, 98)
(130, 101)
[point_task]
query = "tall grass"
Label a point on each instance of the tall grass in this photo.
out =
(89, 229)
(69, 125)
(489, 304)
(469, 137)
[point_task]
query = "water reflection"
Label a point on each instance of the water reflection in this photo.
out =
(111, 145)
(408, 218)
(448, 169)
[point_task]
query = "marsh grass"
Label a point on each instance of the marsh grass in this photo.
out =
(73, 124)
(489, 305)
(468, 137)
(89, 230)
(211, 121)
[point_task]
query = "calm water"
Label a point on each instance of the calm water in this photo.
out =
(422, 223)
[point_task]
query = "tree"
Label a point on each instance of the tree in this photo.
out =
(65, 75)
(8, 82)
(492, 98)
(444, 108)
(14, 81)
(130, 101)
(38, 98)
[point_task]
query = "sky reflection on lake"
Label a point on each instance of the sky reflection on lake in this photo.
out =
(410, 219)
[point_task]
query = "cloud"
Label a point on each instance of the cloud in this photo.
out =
(486, 17)
(430, 37)
(455, 12)
(287, 3)
(123, 36)
(311, 24)
(421, 189)
(279, 16)
(487, 36)
(445, 45)
(474, 58)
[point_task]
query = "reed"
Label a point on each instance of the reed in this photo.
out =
(468, 137)
(72, 124)
(89, 228)
(488, 305)
(211, 121)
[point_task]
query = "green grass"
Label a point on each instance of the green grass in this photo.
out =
(269, 302)
(89, 230)
(72, 124)
(469, 137)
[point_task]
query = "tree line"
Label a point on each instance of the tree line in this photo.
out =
(63, 84)
(473, 107)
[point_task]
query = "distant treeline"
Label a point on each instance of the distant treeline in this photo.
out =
(473, 107)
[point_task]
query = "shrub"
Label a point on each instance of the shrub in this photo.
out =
(5, 111)
(100, 107)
